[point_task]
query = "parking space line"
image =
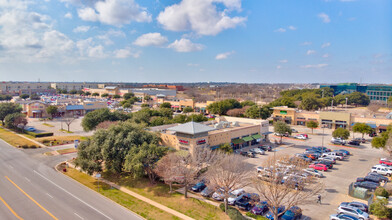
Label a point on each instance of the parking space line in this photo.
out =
(28, 196)
(9, 207)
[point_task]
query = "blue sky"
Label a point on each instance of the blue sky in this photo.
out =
(263, 41)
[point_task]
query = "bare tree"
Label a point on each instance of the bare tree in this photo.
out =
(373, 108)
(167, 170)
(280, 184)
(228, 173)
(68, 119)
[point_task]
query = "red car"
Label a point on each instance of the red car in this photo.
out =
(321, 167)
(385, 161)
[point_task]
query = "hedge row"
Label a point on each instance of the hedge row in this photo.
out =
(233, 213)
(37, 135)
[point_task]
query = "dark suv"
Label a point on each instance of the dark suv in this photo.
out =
(246, 201)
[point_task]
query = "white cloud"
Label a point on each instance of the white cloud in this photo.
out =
(223, 56)
(325, 55)
(278, 67)
(310, 52)
(283, 61)
(292, 28)
(115, 12)
(88, 48)
(321, 65)
(151, 39)
(125, 53)
(202, 16)
(324, 17)
(107, 36)
(306, 43)
(185, 45)
(68, 15)
(280, 30)
(326, 45)
(81, 29)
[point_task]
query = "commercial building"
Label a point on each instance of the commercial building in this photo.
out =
(19, 88)
(34, 109)
(73, 86)
(328, 119)
(377, 93)
(173, 87)
(239, 132)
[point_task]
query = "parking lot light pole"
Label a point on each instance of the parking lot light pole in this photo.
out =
(322, 138)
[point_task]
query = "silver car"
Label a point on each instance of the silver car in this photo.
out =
(257, 151)
(349, 210)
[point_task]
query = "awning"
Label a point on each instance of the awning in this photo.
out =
(36, 111)
(237, 141)
(301, 119)
(340, 123)
(266, 133)
(383, 127)
(372, 125)
(256, 136)
(249, 138)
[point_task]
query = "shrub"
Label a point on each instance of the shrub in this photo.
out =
(380, 191)
(37, 135)
(233, 213)
(257, 217)
(379, 209)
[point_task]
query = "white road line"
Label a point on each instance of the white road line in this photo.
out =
(72, 195)
(78, 215)
(27, 179)
(49, 195)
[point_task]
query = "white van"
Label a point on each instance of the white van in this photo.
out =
(333, 155)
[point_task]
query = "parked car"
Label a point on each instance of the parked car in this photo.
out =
(207, 192)
(326, 163)
(265, 147)
(280, 209)
(234, 195)
(294, 131)
(294, 181)
(321, 167)
(251, 155)
(300, 137)
(345, 152)
(313, 172)
(218, 195)
(303, 157)
(199, 187)
(367, 185)
(374, 134)
(354, 142)
(349, 210)
(342, 217)
(260, 208)
(386, 179)
(311, 156)
(31, 129)
(257, 151)
(293, 213)
(283, 135)
(375, 179)
(327, 158)
(338, 142)
(244, 153)
(333, 155)
(362, 140)
(385, 161)
(247, 200)
(324, 149)
(382, 170)
(359, 205)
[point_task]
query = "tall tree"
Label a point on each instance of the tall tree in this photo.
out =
(384, 141)
(68, 119)
(165, 105)
(92, 119)
(34, 96)
(52, 110)
(310, 103)
(95, 94)
(253, 112)
(167, 170)
(24, 96)
(128, 95)
(389, 102)
(312, 125)
(341, 133)
(187, 109)
(142, 160)
(282, 128)
(229, 172)
(8, 108)
(15, 120)
(362, 128)
(358, 98)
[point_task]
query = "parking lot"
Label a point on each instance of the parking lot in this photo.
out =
(55, 125)
(337, 180)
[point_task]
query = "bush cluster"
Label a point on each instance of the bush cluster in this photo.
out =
(37, 135)
(233, 213)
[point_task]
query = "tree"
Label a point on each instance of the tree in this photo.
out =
(373, 108)
(167, 170)
(34, 96)
(52, 110)
(282, 128)
(229, 172)
(142, 160)
(165, 105)
(128, 95)
(187, 109)
(221, 107)
(147, 98)
(384, 141)
(226, 148)
(24, 96)
(116, 96)
(106, 124)
(379, 209)
(145, 105)
(95, 94)
(87, 93)
(104, 95)
(341, 133)
(288, 191)
(5, 97)
(8, 108)
(73, 92)
(362, 128)
(358, 98)
(339, 100)
(283, 101)
(180, 119)
(110, 147)
(196, 118)
(15, 120)
(389, 102)
(312, 125)
(236, 112)
(247, 103)
(68, 119)
(253, 112)
(166, 112)
(92, 119)
(310, 103)
(265, 112)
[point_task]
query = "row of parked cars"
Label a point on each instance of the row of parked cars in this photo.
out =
(254, 151)
(248, 202)
(351, 211)
(354, 141)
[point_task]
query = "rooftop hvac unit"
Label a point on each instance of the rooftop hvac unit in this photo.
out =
(235, 124)
(218, 126)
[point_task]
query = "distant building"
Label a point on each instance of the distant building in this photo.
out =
(378, 93)
(19, 88)
(173, 87)
(73, 86)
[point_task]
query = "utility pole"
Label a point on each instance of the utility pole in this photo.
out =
(331, 105)
(346, 102)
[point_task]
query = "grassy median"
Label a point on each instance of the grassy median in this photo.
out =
(142, 208)
(16, 140)
(159, 192)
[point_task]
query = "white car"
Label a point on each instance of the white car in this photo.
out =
(234, 195)
(313, 172)
(327, 158)
(257, 151)
(333, 155)
(218, 195)
(301, 137)
(382, 170)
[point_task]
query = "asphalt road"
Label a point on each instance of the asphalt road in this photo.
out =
(30, 189)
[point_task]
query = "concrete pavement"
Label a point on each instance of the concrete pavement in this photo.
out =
(29, 189)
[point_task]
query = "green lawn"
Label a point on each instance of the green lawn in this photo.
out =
(49, 125)
(142, 208)
(15, 140)
(67, 151)
(160, 193)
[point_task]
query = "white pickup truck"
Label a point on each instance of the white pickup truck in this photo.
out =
(333, 155)
(383, 170)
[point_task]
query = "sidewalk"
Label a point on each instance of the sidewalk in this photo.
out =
(196, 196)
(144, 199)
